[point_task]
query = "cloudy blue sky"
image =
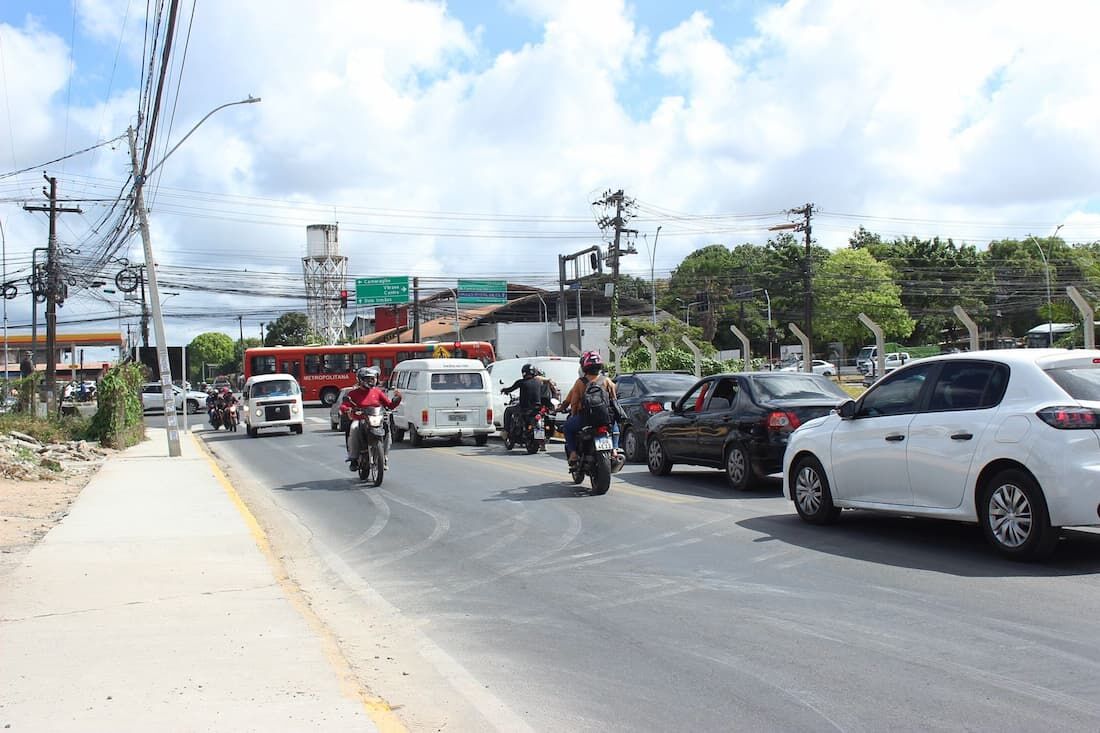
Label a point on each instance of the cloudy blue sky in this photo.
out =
(469, 138)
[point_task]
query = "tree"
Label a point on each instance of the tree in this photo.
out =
(703, 281)
(851, 282)
(211, 347)
(238, 352)
(289, 329)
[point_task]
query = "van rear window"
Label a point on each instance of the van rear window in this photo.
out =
(458, 380)
(1080, 383)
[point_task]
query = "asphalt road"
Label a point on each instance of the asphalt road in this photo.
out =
(674, 603)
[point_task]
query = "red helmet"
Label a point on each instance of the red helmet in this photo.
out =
(591, 362)
(225, 390)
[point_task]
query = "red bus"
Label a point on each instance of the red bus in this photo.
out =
(323, 370)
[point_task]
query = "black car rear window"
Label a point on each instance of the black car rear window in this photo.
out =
(1080, 382)
(666, 382)
(795, 387)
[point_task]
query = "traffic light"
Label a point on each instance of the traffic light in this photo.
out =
(344, 299)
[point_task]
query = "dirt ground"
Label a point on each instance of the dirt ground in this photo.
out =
(30, 509)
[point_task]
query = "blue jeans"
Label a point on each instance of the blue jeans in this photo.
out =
(574, 423)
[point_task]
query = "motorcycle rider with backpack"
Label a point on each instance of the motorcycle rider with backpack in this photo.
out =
(591, 401)
(367, 393)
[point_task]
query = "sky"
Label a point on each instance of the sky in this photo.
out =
(470, 138)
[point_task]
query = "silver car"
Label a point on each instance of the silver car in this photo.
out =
(337, 419)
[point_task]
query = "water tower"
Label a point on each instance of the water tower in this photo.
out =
(325, 272)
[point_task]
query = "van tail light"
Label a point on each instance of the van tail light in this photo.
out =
(489, 416)
(651, 407)
(781, 421)
(424, 417)
(1070, 417)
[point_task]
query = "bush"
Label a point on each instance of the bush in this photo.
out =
(118, 420)
(46, 430)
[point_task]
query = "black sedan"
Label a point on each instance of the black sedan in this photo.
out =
(641, 395)
(738, 422)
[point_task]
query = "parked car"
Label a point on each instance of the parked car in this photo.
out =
(642, 395)
(738, 422)
(819, 366)
(221, 382)
(893, 361)
(1007, 439)
(337, 419)
(151, 398)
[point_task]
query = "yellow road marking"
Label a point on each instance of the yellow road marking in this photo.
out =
(378, 709)
(620, 487)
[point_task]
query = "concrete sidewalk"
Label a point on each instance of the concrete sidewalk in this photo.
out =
(156, 605)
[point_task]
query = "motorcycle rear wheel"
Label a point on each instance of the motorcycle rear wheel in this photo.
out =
(601, 479)
(532, 446)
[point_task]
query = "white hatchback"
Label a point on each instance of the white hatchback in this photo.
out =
(1009, 439)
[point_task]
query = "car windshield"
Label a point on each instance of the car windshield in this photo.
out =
(1080, 383)
(667, 382)
(275, 388)
(795, 387)
(458, 380)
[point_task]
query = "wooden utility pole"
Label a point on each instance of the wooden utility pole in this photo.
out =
(55, 287)
(807, 212)
(622, 206)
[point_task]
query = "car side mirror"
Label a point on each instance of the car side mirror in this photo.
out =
(670, 406)
(847, 410)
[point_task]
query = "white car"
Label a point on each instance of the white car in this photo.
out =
(272, 401)
(1008, 439)
(151, 398)
(820, 366)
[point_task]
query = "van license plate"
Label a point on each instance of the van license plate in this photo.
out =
(603, 443)
(457, 417)
(540, 435)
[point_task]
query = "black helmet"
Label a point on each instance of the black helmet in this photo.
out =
(528, 371)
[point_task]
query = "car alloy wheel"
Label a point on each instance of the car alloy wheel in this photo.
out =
(737, 468)
(630, 444)
(658, 462)
(812, 498)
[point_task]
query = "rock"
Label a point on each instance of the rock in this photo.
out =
(24, 438)
(52, 464)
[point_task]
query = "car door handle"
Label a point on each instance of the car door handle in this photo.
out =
(895, 438)
(962, 436)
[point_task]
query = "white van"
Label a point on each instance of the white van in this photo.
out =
(272, 401)
(445, 398)
(563, 371)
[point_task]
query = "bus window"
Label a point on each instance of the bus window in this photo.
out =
(336, 363)
(384, 364)
(358, 360)
(313, 364)
(263, 365)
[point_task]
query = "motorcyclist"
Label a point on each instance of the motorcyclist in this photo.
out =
(226, 398)
(591, 367)
(531, 388)
(211, 403)
(367, 393)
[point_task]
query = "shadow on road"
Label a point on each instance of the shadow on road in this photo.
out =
(350, 483)
(706, 483)
(925, 544)
(551, 490)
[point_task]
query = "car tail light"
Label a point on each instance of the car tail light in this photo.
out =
(652, 407)
(781, 421)
(489, 416)
(1070, 418)
(424, 417)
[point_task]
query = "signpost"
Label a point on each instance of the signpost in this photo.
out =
(382, 290)
(483, 291)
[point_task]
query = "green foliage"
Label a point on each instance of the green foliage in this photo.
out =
(48, 430)
(850, 282)
(238, 354)
(211, 347)
(118, 420)
(289, 329)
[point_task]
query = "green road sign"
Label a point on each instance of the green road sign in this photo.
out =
(382, 290)
(483, 291)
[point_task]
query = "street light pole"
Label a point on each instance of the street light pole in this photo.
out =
(163, 363)
(652, 279)
(1046, 269)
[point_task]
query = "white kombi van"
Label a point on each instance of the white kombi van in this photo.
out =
(563, 371)
(272, 401)
(442, 398)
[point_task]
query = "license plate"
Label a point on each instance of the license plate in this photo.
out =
(540, 435)
(603, 443)
(457, 417)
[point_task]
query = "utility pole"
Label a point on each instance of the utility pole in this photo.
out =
(807, 212)
(144, 307)
(622, 206)
(55, 287)
(416, 311)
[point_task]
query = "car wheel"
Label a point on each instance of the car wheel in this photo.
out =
(812, 499)
(253, 432)
(826, 373)
(415, 439)
(657, 460)
(631, 446)
(738, 468)
(192, 407)
(398, 435)
(481, 440)
(1013, 515)
(297, 429)
(335, 426)
(328, 396)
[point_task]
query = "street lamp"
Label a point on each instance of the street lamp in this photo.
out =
(140, 176)
(687, 309)
(652, 279)
(1046, 268)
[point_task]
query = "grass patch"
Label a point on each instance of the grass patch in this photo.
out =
(46, 430)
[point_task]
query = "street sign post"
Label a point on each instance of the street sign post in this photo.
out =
(483, 291)
(382, 290)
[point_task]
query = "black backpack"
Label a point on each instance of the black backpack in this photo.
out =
(595, 404)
